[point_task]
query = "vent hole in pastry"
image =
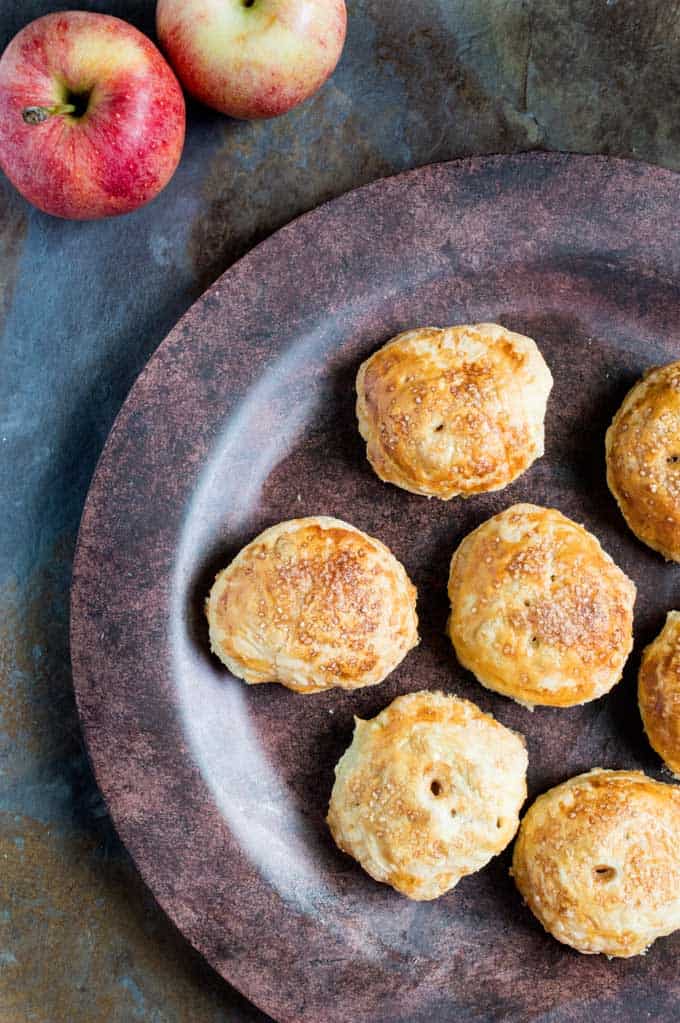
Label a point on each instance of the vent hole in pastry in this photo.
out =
(453, 812)
(604, 873)
(673, 459)
(534, 640)
(527, 603)
(439, 428)
(499, 822)
(436, 788)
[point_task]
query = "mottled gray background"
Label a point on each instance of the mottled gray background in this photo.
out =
(82, 306)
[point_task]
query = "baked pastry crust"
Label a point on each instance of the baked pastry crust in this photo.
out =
(313, 603)
(539, 612)
(659, 692)
(453, 411)
(597, 861)
(428, 791)
(643, 459)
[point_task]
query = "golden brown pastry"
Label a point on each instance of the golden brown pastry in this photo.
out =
(313, 603)
(597, 860)
(539, 612)
(453, 412)
(643, 459)
(428, 791)
(659, 693)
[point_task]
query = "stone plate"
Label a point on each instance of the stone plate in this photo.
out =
(244, 417)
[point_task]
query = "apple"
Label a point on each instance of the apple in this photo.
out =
(252, 58)
(92, 118)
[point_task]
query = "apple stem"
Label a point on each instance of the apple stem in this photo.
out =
(38, 115)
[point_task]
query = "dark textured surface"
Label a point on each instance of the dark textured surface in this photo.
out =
(245, 417)
(83, 306)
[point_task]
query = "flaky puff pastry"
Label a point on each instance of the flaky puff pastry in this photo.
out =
(643, 459)
(659, 692)
(428, 791)
(597, 860)
(313, 603)
(451, 412)
(539, 612)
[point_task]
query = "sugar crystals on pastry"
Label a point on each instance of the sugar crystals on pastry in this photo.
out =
(597, 861)
(453, 411)
(643, 459)
(313, 603)
(428, 791)
(539, 612)
(659, 692)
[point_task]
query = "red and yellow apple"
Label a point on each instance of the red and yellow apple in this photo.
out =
(92, 119)
(252, 58)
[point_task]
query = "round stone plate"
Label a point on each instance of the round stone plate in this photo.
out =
(244, 417)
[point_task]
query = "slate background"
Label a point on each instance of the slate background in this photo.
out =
(83, 306)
